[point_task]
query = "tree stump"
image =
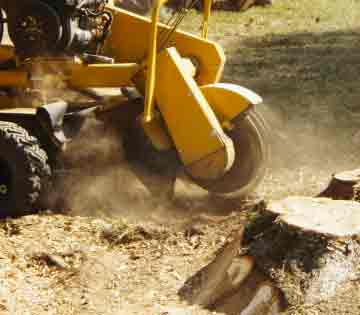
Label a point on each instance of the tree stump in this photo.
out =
(344, 185)
(230, 284)
(295, 251)
(309, 247)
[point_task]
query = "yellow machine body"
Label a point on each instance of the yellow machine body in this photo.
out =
(179, 80)
(134, 47)
(190, 119)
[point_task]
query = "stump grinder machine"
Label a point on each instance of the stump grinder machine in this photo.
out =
(172, 111)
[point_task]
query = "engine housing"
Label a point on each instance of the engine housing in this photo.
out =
(55, 27)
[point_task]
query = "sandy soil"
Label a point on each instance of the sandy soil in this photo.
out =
(56, 264)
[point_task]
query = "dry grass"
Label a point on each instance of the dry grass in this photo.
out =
(283, 17)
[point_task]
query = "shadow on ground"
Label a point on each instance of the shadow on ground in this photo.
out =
(309, 83)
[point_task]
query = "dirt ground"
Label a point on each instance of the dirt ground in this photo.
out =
(119, 251)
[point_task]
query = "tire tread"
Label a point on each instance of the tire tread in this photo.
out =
(38, 169)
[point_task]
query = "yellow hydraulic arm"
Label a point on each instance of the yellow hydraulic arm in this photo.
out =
(207, 12)
(151, 62)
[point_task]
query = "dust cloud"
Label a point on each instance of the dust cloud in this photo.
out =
(307, 147)
(96, 180)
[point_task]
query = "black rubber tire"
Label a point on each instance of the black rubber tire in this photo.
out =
(252, 152)
(24, 170)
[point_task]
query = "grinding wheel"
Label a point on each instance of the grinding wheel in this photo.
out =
(249, 136)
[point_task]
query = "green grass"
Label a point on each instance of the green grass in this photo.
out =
(284, 16)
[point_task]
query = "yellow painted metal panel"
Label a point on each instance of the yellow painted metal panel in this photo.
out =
(192, 124)
(15, 78)
(126, 48)
(102, 75)
(229, 100)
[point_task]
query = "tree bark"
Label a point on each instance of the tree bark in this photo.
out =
(232, 285)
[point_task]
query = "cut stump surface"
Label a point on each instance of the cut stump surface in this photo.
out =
(324, 216)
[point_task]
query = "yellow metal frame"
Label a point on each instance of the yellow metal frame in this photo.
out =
(103, 75)
(153, 51)
(229, 100)
(193, 126)
(210, 56)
